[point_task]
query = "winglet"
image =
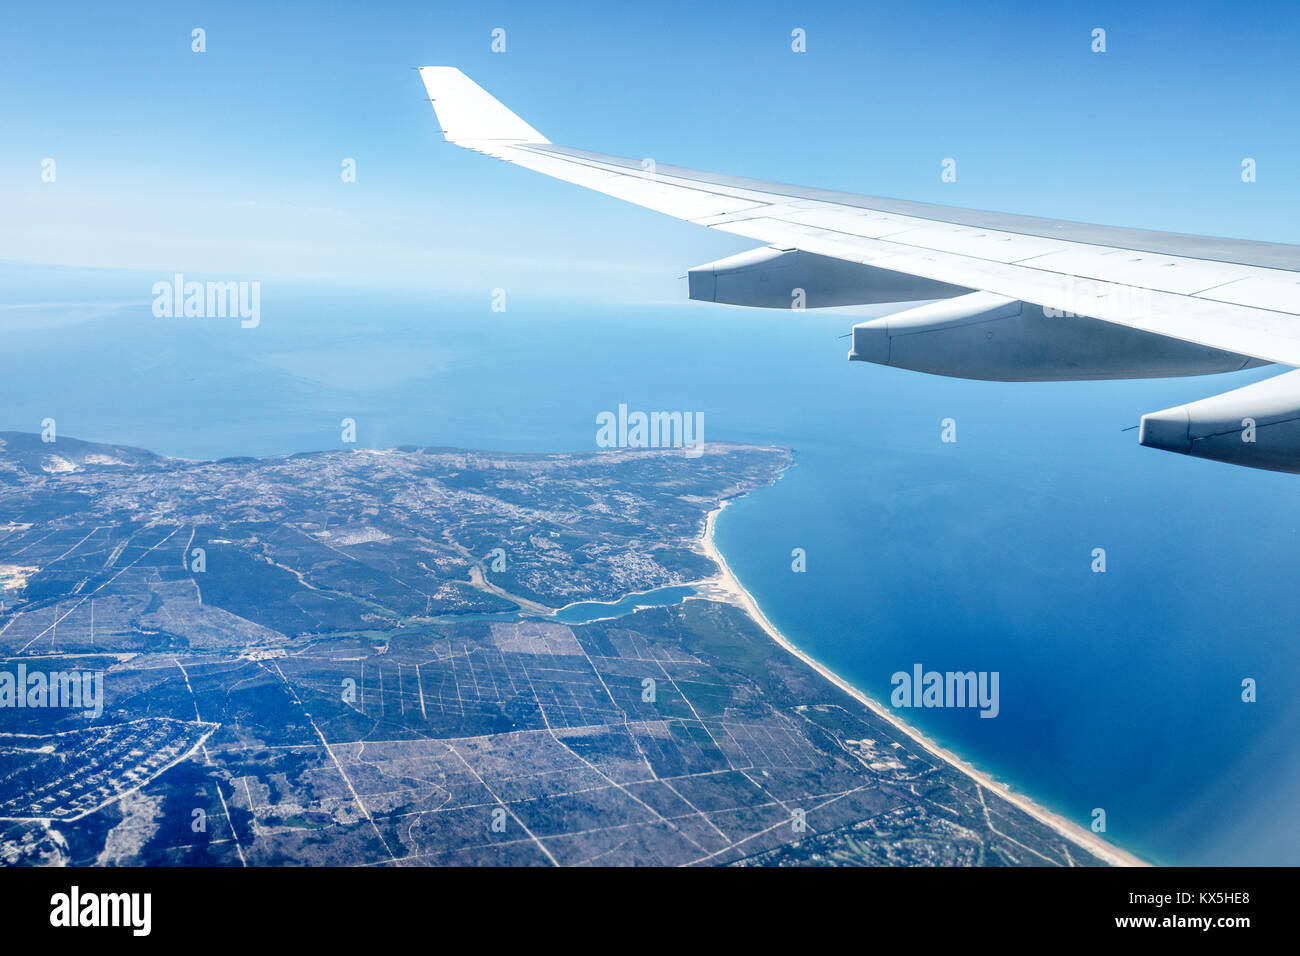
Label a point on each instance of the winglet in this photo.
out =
(468, 113)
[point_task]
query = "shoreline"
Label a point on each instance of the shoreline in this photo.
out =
(728, 587)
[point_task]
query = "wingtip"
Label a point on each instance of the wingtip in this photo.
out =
(468, 113)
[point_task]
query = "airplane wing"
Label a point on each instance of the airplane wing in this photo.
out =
(1193, 304)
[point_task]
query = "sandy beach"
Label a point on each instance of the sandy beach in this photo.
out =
(725, 586)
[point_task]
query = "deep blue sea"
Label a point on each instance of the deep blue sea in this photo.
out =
(1119, 691)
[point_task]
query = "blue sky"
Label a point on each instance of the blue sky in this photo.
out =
(228, 162)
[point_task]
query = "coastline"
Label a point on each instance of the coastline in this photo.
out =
(726, 586)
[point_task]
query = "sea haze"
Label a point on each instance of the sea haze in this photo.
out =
(1119, 691)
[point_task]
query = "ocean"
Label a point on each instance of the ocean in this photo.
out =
(1120, 691)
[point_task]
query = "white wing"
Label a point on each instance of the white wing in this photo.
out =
(1233, 296)
(1228, 294)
